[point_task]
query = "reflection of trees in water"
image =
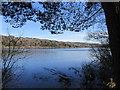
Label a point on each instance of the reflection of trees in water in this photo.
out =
(10, 56)
(96, 74)
(66, 80)
(62, 78)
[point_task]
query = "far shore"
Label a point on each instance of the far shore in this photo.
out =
(44, 47)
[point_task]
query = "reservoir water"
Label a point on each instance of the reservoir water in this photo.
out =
(35, 67)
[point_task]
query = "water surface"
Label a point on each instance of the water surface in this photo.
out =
(35, 74)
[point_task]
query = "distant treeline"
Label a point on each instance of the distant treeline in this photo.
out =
(42, 43)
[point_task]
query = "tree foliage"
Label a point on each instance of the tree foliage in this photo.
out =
(53, 16)
(99, 71)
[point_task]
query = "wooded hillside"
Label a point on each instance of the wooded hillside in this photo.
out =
(42, 43)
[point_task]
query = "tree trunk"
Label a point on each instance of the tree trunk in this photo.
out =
(112, 14)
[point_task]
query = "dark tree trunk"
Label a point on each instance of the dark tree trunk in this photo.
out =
(112, 14)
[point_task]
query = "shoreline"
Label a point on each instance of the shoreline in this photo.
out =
(32, 47)
(50, 48)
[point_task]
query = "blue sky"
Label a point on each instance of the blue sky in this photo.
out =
(32, 30)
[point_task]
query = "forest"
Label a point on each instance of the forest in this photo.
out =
(35, 43)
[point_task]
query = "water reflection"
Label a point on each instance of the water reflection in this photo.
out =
(50, 68)
(73, 79)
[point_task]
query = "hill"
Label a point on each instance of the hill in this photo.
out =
(42, 43)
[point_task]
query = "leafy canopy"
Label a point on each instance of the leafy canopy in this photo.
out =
(53, 16)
